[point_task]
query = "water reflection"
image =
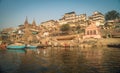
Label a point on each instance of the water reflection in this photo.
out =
(61, 60)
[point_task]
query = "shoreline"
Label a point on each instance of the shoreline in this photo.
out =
(103, 42)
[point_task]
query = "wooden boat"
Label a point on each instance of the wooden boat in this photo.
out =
(114, 45)
(16, 46)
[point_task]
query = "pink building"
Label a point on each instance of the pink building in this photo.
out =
(92, 31)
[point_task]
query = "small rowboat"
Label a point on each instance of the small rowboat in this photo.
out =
(16, 46)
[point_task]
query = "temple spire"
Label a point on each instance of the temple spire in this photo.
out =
(26, 21)
(34, 23)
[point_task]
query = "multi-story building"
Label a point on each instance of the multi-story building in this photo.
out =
(72, 17)
(98, 18)
(48, 23)
(81, 17)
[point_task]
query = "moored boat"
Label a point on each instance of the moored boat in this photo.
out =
(16, 46)
(31, 46)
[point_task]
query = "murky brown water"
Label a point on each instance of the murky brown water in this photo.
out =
(61, 60)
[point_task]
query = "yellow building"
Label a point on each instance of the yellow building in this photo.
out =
(48, 23)
(71, 17)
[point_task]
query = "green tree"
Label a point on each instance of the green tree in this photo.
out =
(111, 15)
(78, 28)
(65, 27)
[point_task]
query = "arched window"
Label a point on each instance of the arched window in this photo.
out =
(87, 32)
(94, 32)
(90, 32)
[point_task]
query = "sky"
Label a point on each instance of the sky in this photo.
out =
(14, 12)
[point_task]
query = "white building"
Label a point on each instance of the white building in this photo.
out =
(72, 17)
(98, 18)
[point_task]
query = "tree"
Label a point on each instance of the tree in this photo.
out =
(78, 28)
(111, 15)
(65, 28)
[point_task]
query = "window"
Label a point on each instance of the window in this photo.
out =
(94, 32)
(87, 32)
(90, 32)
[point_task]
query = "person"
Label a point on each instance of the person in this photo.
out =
(3, 46)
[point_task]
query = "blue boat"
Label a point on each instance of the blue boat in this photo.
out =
(16, 47)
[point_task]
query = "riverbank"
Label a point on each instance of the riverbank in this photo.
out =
(110, 42)
(74, 41)
(83, 43)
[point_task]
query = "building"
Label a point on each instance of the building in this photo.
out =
(26, 24)
(71, 17)
(98, 18)
(81, 17)
(112, 23)
(92, 31)
(34, 24)
(48, 23)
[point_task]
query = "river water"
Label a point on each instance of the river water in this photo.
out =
(61, 60)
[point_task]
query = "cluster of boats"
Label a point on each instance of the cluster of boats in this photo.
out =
(20, 46)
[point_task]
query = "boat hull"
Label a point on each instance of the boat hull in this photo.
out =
(16, 47)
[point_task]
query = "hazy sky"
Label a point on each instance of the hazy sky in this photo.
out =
(14, 12)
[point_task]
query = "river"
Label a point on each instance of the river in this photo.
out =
(61, 60)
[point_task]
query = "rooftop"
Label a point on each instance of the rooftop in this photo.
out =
(70, 12)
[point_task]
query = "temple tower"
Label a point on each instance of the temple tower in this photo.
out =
(26, 24)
